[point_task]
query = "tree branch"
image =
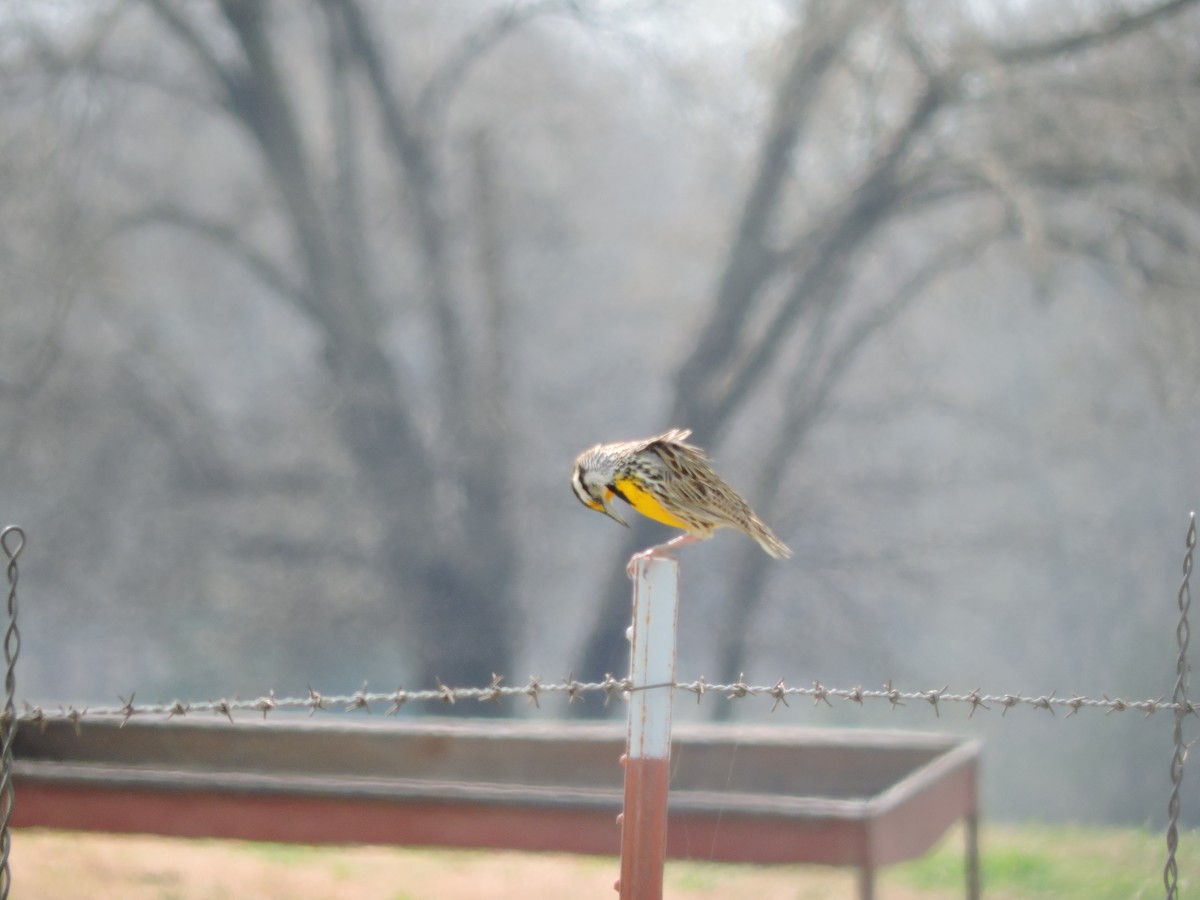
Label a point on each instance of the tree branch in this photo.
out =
(949, 258)
(751, 263)
(189, 36)
(812, 393)
(352, 242)
(226, 237)
(1116, 27)
(413, 155)
(868, 206)
(477, 44)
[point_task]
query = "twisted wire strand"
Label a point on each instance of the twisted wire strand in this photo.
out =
(1182, 707)
(777, 693)
(12, 541)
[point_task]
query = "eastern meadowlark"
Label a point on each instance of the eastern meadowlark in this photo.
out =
(670, 481)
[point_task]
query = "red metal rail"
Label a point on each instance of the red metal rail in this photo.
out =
(844, 797)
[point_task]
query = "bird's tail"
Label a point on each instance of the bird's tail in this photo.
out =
(766, 539)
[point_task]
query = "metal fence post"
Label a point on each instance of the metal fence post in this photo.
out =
(1183, 706)
(648, 751)
(12, 542)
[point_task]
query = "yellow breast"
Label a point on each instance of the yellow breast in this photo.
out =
(645, 503)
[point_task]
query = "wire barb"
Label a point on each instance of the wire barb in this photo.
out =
(1045, 703)
(740, 689)
(532, 690)
(976, 702)
(820, 693)
(698, 687)
(779, 692)
(178, 708)
(129, 709)
(933, 698)
(492, 694)
(573, 692)
(359, 700)
(223, 709)
(610, 686)
(315, 702)
(35, 715)
(893, 695)
(399, 698)
(266, 704)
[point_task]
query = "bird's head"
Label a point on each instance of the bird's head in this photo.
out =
(591, 482)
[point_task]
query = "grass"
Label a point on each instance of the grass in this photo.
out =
(1064, 861)
(1032, 861)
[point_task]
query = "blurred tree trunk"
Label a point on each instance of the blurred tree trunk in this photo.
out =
(912, 168)
(451, 554)
(751, 266)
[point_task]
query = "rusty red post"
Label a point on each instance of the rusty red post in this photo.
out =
(648, 750)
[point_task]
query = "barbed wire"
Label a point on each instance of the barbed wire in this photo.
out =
(1180, 700)
(535, 689)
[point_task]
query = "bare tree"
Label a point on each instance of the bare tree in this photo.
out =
(949, 131)
(437, 484)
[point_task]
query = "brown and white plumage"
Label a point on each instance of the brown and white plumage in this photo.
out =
(668, 480)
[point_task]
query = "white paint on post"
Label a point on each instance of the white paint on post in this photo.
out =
(652, 660)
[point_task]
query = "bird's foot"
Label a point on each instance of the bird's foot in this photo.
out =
(661, 551)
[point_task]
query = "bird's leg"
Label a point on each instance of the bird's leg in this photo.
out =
(660, 551)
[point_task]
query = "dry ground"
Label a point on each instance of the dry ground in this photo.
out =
(50, 865)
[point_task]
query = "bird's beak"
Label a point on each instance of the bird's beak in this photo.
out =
(603, 507)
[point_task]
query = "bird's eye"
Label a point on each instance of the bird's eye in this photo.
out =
(581, 491)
